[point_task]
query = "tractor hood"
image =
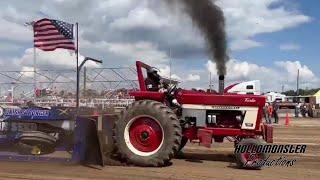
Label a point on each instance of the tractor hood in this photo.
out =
(204, 98)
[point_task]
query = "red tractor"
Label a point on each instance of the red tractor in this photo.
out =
(163, 118)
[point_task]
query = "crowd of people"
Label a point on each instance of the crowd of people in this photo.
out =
(271, 111)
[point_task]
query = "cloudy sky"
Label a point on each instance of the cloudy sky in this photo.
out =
(268, 40)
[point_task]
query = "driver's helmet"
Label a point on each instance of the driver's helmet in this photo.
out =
(153, 73)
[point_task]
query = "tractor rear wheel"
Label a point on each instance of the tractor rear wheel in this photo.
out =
(147, 133)
(250, 159)
(36, 143)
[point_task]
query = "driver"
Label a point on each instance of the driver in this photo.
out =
(153, 80)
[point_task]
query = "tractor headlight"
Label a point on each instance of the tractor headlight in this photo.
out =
(212, 119)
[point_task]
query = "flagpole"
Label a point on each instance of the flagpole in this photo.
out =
(170, 64)
(34, 66)
(78, 73)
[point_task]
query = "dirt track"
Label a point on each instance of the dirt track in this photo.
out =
(196, 163)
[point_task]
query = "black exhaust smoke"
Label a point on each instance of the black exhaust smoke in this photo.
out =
(209, 18)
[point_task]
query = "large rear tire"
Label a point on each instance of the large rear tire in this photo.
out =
(36, 143)
(147, 133)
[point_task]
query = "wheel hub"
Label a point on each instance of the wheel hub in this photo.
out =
(251, 157)
(35, 150)
(145, 134)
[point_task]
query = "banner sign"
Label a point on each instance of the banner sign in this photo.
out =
(26, 112)
(55, 113)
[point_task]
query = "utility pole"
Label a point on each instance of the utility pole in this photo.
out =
(210, 85)
(170, 63)
(12, 96)
(298, 82)
(78, 73)
(34, 66)
(84, 80)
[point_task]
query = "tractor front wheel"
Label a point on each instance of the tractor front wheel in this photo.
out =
(250, 159)
(147, 133)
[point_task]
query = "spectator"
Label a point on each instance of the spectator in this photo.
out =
(303, 110)
(275, 112)
(269, 113)
(297, 109)
(265, 107)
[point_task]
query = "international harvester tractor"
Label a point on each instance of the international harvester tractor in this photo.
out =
(163, 118)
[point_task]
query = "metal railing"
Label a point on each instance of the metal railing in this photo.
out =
(71, 102)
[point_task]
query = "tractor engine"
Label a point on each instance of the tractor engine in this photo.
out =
(219, 110)
(219, 116)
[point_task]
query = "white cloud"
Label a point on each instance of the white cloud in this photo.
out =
(27, 71)
(272, 78)
(240, 70)
(241, 44)
(292, 67)
(141, 17)
(146, 51)
(245, 18)
(8, 47)
(123, 31)
(113, 54)
(193, 77)
(12, 22)
(176, 77)
(15, 32)
(248, 18)
(9, 63)
(289, 47)
(59, 58)
(165, 72)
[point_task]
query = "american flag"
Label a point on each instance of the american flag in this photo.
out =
(51, 34)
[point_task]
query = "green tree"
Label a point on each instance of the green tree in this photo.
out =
(302, 92)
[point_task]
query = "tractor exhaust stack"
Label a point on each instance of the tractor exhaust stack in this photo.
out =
(221, 84)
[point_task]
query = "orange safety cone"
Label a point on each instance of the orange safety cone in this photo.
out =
(287, 121)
